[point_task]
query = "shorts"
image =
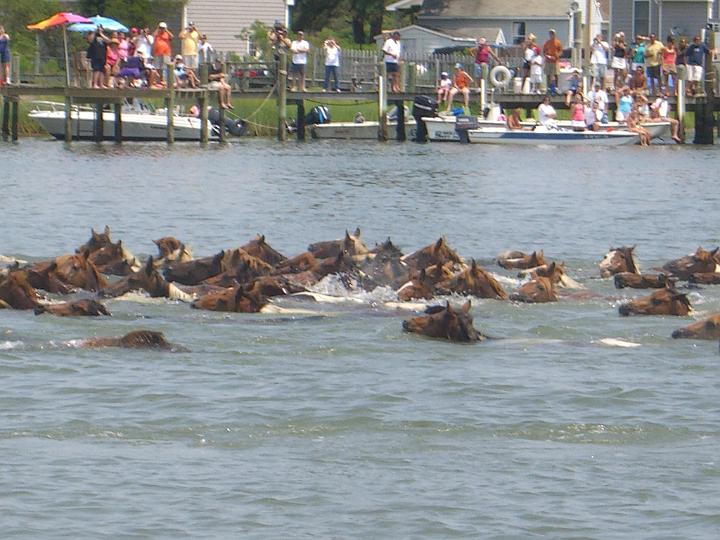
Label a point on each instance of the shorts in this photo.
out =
(97, 65)
(214, 85)
(190, 61)
(297, 69)
(482, 70)
(392, 67)
(161, 61)
(653, 72)
(599, 71)
(550, 69)
(618, 63)
(5, 57)
(695, 73)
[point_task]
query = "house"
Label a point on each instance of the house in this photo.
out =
(515, 18)
(680, 18)
(226, 21)
(420, 40)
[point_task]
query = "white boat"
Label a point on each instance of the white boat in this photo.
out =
(442, 128)
(137, 124)
(557, 137)
(363, 130)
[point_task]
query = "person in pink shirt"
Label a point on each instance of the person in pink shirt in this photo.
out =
(123, 46)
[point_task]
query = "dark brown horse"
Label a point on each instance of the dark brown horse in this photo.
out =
(518, 259)
(666, 301)
(702, 261)
(619, 260)
(244, 266)
(350, 245)
(387, 248)
(642, 281)
(147, 279)
(16, 292)
(238, 299)
(137, 339)
(96, 241)
(295, 265)
(46, 278)
(537, 291)
(706, 329)
(73, 271)
(419, 287)
(445, 322)
(195, 271)
(114, 259)
(437, 253)
(262, 250)
(475, 281)
(705, 278)
(77, 308)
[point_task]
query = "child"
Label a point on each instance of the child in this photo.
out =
(444, 86)
(536, 74)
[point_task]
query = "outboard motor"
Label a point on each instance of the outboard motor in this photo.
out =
(423, 106)
(236, 127)
(319, 114)
(463, 124)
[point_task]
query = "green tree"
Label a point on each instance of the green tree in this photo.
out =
(141, 13)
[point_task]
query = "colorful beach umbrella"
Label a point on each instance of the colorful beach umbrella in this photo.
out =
(61, 19)
(106, 22)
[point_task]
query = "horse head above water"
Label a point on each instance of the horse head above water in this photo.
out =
(16, 292)
(350, 245)
(537, 291)
(419, 287)
(437, 253)
(262, 250)
(96, 241)
(619, 260)
(239, 299)
(78, 308)
(518, 259)
(702, 261)
(642, 281)
(475, 281)
(195, 271)
(667, 301)
(445, 322)
(137, 339)
(706, 329)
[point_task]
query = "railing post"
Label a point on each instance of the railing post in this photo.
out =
(282, 97)
(681, 106)
(68, 119)
(204, 98)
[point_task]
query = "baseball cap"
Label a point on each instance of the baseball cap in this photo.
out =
(458, 65)
(444, 74)
(162, 25)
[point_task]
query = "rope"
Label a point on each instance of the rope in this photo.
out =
(274, 128)
(270, 93)
(353, 104)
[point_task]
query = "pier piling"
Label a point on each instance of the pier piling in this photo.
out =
(282, 93)
(68, 119)
(300, 125)
(6, 119)
(99, 121)
(382, 103)
(170, 105)
(118, 123)
(400, 126)
(14, 120)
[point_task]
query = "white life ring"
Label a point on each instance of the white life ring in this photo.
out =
(500, 76)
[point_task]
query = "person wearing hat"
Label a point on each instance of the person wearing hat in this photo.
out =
(143, 41)
(184, 76)
(299, 48)
(162, 47)
(552, 50)
(443, 89)
(461, 84)
(391, 51)
(112, 56)
(190, 39)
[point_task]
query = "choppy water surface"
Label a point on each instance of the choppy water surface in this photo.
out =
(338, 425)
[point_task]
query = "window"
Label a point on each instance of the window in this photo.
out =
(518, 32)
(641, 20)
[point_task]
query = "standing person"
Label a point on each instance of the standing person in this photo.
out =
(279, 41)
(205, 50)
(190, 38)
(669, 68)
(97, 54)
(653, 58)
(530, 52)
(461, 84)
(217, 82)
(619, 61)
(637, 53)
(599, 59)
(144, 43)
(552, 50)
(392, 51)
(332, 63)
(681, 61)
(123, 47)
(483, 53)
(4, 57)
(547, 116)
(162, 48)
(443, 88)
(577, 113)
(696, 52)
(112, 61)
(299, 48)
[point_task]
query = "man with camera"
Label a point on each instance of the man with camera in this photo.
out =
(332, 63)
(190, 38)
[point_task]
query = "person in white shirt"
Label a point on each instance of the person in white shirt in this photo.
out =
(547, 116)
(593, 116)
(600, 96)
(599, 58)
(143, 41)
(205, 50)
(332, 63)
(660, 112)
(392, 51)
(299, 48)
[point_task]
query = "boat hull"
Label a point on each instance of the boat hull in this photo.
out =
(362, 131)
(551, 137)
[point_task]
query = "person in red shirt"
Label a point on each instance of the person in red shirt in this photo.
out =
(162, 47)
(552, 50)
(461, 84)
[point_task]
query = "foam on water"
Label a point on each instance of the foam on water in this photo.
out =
(9, 345)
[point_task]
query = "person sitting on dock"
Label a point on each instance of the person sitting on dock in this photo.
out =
(131, 71)
(461, 84)
(660, 112)
(444, 86)
(547, 116)
(217, 83)
(184, 76)
(633, 124)
(593, 116)
(513, 121)
(574, 87)
(638, 81)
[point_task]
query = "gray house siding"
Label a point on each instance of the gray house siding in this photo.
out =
(622, 18)
(224, 20)
(468, 26)
(418, 40)
(685, 19)
(688, 16)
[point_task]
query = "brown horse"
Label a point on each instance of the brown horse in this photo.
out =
(387, 248)
(642, 281)
(445, 322)
(295, 265)
(78, 308)
(74, 271)
(147, 279)
(238, 300)
(171, 250)
(705, 278)
(539, 290)
(244, 266)
(195, 271)
(518, 259)
(555, 272)
(437, 253)
(137, 339)
(666, 301)
(475, 281)
(96, 241)
(350, 245)
(701, 261)
(46, 278)
(274, 286)
(16, 292)
(419, 287)
(262, 250)
(114, 259)
(619, 260)
(706, 329)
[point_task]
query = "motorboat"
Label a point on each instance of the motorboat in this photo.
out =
(442, 128)
(367, 130)
(139, 123)
(556, 137)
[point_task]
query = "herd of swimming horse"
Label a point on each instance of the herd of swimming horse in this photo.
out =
(246, 279)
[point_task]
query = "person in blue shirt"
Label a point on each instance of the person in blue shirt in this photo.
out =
(696, 52)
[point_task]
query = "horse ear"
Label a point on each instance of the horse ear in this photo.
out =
(261, 240)
(86, 254)
(552, 266)
(93, 233)
(347, 236)
(466, 307)
(149, 265)
(107, 230)
(422, 275)
(714, 251)
(357, 232)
